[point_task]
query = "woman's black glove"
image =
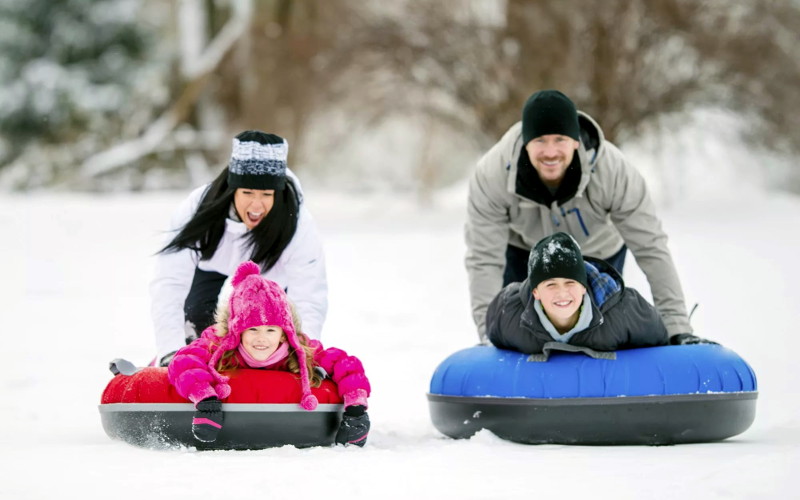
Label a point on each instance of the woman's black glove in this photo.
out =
(689, 339)
(167, 359)
(207, 421)
(354, 427)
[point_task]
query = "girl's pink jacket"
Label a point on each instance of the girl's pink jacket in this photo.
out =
(195, 380)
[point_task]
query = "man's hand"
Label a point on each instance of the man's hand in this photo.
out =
(167, 359)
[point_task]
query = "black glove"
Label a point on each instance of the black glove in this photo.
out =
(167, 359)
(689, 339)
(354, 427)
(207, 421)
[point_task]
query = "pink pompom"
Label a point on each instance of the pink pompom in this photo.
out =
(244, 270)
(309, 402)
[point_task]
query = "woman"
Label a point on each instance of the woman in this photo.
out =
(252, 211)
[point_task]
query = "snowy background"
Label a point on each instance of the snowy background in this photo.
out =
(75, 296)
(83, 86)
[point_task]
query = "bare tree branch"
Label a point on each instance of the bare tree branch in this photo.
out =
(199, 74)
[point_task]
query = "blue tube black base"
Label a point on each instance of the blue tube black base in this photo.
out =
(640, 420)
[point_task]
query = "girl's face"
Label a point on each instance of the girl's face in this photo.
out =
(261, 341)
(252, 205)
(561, 299)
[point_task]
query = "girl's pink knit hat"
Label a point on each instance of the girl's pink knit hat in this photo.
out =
(257, 301)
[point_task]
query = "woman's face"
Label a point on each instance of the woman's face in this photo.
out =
(561, 299)
(252, 205)
(261, 341)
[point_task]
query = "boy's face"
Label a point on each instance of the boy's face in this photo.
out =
(261, 341)
(561, 299)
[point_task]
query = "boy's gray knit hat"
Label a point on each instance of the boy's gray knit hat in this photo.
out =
(556, 256)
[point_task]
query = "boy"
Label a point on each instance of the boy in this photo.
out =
(571, 300)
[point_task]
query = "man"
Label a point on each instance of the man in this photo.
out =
(554, 171)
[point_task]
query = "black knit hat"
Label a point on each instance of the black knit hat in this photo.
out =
(549, 112)
(258, 161)
(556, 256)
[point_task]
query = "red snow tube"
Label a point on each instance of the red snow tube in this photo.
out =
(262, 412)
(151, 385)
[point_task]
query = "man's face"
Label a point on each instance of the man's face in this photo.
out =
(551, 155)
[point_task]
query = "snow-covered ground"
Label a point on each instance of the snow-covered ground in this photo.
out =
(74, 296)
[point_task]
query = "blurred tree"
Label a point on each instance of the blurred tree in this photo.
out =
(187, 128)
(242, 64)
(280, 78)
(67, 68)
(626, 62)
(67, 72)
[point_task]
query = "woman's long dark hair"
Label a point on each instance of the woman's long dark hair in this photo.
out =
(268, 239)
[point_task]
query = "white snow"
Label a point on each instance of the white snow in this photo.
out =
(74, 297)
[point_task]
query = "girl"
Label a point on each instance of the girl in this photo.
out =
(252, 211)
(256, 328)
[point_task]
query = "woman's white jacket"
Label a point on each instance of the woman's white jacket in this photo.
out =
(300, 270)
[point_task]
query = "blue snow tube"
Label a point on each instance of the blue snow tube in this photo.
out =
(655, 395)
